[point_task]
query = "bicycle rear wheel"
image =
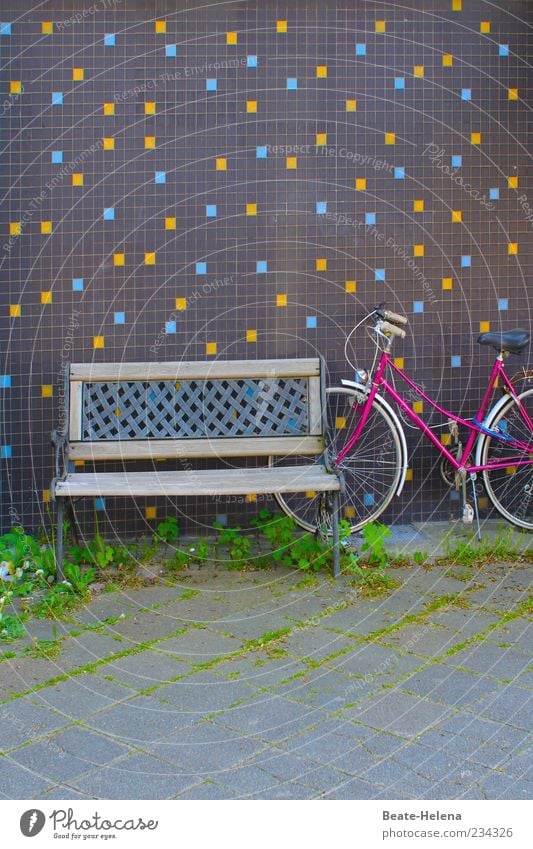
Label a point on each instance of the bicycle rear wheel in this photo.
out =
(511, 489)
(371, 472)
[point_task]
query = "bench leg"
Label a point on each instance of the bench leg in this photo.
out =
(59, 541)
(336, 539)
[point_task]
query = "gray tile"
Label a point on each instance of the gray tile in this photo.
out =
(500, 786)
(135, 777)
(199, 646)
(465, 622)
(206, 750)
(510, 704)
(271, 717)
(247, 780)
(145, 669)
(20, 721)
(143, 719)
(20, 783)
(398, 713)
(49, 762)
(423, 639)
(287, 791)
(353, 788)
(491, 660)
(207, 790)
(259, 670)
(368, 660)
(80, 696)
(62, 792)
(93, 748)
(453, 686)
(315, 643)
(88, 648)
(204, 697)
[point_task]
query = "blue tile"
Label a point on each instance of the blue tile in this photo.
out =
(201, 268)
(170, 326)
(261, 152)
(5, 29)
(466, 261)
(211, 210)
(251, 61)
(261, 266)
(160, 177)
(5, 381)
(370, 217)
(292, 83)
(466, 94)
(494, 194)
(120, 318)
(57, 98)
(211, 85)
(99, 503)
(310, 322)
(170, 50)
(109, 213)
(399, 82)
(418, 306)
(455, 361)
(503, 304)
(222, 518)
(6, 452)
(57, 157)
(109, 39)
(368, 499)
(77, 284)
(360, 49)
(457, 161)
(503, 50)
(399, 173)
(379, 274)
(321, 207)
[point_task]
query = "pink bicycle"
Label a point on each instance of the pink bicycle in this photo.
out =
(367, 441)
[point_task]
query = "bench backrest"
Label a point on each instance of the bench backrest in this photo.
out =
(195, 409)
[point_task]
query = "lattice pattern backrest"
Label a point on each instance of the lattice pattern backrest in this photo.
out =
(195, 409)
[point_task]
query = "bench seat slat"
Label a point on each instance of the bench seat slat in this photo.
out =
(209, 483)
(151, 449)
(93, 372)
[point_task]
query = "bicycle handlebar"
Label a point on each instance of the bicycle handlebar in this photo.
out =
(393, 330)
(393, 316)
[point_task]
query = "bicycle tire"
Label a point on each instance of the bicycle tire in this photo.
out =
(510, 489)
(363, 500)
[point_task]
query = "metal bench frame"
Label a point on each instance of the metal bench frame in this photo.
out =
(193, 410)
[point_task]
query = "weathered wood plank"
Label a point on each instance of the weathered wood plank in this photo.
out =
(147, 449)
(314, 406)
(76, 391)
(195, 370)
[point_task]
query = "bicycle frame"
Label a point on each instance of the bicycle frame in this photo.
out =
(475, 425)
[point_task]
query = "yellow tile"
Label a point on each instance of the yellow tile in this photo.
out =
(181, 304)
(109, 143)
(457, 5)
(390, 138)
(321, 71)
(418, 406)
(351, 105)
(447, 282)
(170, 223)
(399, 361)
(149, 258)
(512, 182)
(292, 162)
(340, 423)
(484, 26)
(483, 502)
(47, 390)
(109, 108)
(310, 493)
(418, 250)
(512, 248)
(475, 138)
(46, 226)
(360, 184)
(98, 341)
(14, 311)
(447, 60)
(281, 26)
(418, 206)
(418, 71)
(349, 512)
(510, 470)
(221, 164)
(15, 87)
(250, 497)
(457, 216)
(251, 335)
(14, 228)
(321, 138)
(149, 107)
(118, 259)
(46, 496)
(281, 300)
(77, 179)
(150, 512)
(149, 141)
(251, 105)
(47, 27)
(79, 463)
(409, 475)
(210, 348)
(160, 26)
(484, 326)
(351, 286)
(445, 438)
(231, 38)
(381, 26)
(512, 94)
(78, 74)
(321, 265)
(251, 209)
(117, 412)
(46, 297)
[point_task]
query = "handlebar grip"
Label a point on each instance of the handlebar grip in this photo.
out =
(393, 316)
(393, 330)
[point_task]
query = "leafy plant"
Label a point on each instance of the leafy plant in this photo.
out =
(374, 536)
(168, 530)
(80, 580)
(303, 551)
(236, 542)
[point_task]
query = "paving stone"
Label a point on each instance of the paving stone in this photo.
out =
(47, 761)
(255, 623)
(465, 622)
(88, 648)
(19, 675)
(392, 776)
(62, 792)
(288, 790)
(354, 761)
(452, 686)
(145, 669)
(145, 626)
(423, 639)
(315, 643)
(93, 748)
(321, 687)
(353, 788)
(490, 754)
(247, 780)
(518, 632)
(510, 704)
(491, 660)
(80, 696)
(204, 697)
(206, 749)
(481, 729)
(140, 720)
(355, 619)
(398, 713)
(326, 741)
(287, 767)
(200, 646)
(207, 790)
(518, 765)
(18, 782)
(259, 670)
(271, 717)
(368, 660)
(21, 720)
(138, 776)
(499, 786)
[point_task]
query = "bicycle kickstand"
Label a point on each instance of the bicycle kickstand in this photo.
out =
(473, 477)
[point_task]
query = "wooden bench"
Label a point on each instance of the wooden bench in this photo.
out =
(126, 412)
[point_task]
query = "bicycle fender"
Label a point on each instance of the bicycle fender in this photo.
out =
(351, 384)
(504, 400)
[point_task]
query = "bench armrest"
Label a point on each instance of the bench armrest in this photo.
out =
(60, 441)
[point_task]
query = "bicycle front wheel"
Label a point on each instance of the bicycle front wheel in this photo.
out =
(371, 472)
(511, 489)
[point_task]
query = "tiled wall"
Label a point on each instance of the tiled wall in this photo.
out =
(241, 180)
